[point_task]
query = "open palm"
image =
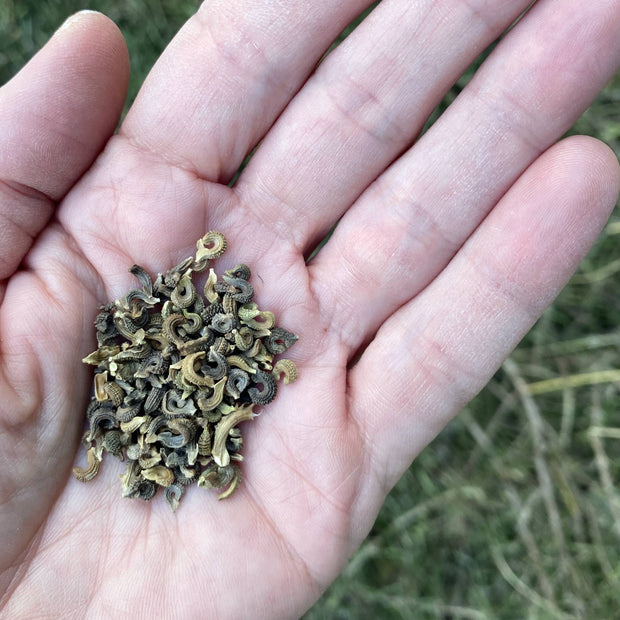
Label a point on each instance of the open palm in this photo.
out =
(445, 254)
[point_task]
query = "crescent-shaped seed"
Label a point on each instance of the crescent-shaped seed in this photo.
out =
(210, 246)
(219, 452)
(160, 475)
(84, 474)
(207, 404)
(285, 368)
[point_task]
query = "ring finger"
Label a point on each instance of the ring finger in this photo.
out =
(407, 226)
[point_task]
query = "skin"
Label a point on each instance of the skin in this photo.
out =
(447, 251)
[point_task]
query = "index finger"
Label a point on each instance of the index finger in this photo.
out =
(226, 76)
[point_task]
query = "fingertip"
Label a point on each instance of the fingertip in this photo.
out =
(88, 28)
(80, 17)
(597, 164)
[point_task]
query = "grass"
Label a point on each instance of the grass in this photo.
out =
(148, 25)
(514, 511)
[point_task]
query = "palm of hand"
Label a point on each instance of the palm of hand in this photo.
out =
(297, 468)
(304, 456)
(320, 459)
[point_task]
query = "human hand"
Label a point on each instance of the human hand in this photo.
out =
(439, 265)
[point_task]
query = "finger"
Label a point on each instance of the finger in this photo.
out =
(227, 75)
(408, 225)
(55, 117)
(365, 104)
(440, 349)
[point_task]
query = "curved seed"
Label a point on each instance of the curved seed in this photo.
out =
(93, 405)
(134, 353)
(212, 245)
(222, 323)
(247, 311)
(146, 490)
(154, 425)
(174, 405)
(235, 482)
(114, 392)
(216, 477)
(287, 368)
(181, 432)
(239, 271)
(173, 494)
(237, 381)
(280, 340)
(143, 277)
(128, 413)
(136, 304)
(170, 328)
(102, 418)
(184, 293)
(221, 365)
(207, 404)
(262, 322)
(193, 322)
(199, 344)
(92, 467)
(188, 368)
(242, 290)
(220, 454)
(125, 326)
(135, 423)
(243, 338)
(154, 364)
(240, 362)
(159, 475)
(267, 392)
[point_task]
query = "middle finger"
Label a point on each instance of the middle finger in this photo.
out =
(365, 104)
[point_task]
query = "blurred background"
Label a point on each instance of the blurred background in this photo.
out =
(514, 510)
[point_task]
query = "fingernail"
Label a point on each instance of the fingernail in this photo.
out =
(74, 19)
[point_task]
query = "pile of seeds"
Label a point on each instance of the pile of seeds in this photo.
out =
(176, 372)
